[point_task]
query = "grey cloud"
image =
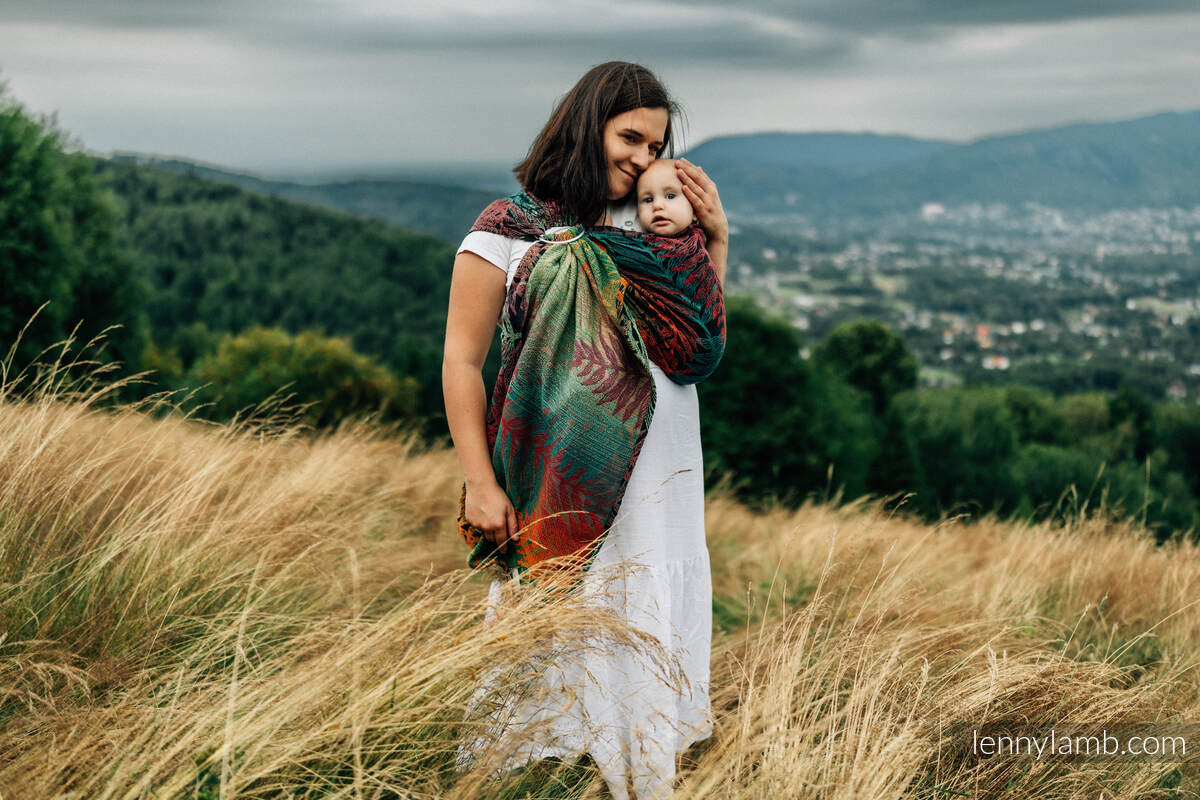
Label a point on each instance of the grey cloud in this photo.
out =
(718, 31)
(725, 37)
(914, 17)
(717, 35)
(141, 13)
(866, 15)
(710, 43)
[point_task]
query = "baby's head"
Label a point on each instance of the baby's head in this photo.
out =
(662, 207)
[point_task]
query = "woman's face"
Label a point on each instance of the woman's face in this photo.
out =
(631, 141)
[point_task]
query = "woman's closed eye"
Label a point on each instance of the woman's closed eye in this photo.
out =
(632, 139)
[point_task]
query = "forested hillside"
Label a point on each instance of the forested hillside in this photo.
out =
(437, 209)
(219, 259)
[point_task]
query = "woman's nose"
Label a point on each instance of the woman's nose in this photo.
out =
(642, 158)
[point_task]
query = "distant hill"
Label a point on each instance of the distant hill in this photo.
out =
(845, 152)
(444, 211)
(1150, 161)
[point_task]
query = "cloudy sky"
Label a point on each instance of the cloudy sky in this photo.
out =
(284, 85)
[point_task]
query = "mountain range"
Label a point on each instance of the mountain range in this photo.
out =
(1149, 161)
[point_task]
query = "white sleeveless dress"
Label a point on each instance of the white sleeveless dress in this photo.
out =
(611, 704)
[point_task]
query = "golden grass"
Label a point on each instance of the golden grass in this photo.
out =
(223, 611)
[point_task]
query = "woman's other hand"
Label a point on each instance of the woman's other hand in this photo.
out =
(477, 295)
(701, 192)
(489, 509)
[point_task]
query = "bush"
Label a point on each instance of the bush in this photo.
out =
(1179, 434)
(965, 441)
(324, 373)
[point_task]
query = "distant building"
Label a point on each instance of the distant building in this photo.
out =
(995, 362)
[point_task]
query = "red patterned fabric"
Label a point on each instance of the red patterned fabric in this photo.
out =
(569, 412)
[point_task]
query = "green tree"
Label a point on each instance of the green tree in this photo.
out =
(896, 468)
(966, 440)
(57, 245)
(777, 421)
(1084, 415)
(1133, 414)
(325, 373)
(1061, 481)
(872, 357)
(1035, 415)
(1179, 434)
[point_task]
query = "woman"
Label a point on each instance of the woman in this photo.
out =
(582, 168)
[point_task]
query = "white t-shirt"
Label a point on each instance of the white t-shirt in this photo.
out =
(506, 253)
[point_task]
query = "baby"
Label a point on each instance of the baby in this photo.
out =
(662, 208)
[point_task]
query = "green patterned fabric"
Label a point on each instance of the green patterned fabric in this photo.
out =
(587, 311)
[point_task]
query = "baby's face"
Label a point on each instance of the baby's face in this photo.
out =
(662, 208)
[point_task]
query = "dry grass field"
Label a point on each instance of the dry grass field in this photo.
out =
(195, 611)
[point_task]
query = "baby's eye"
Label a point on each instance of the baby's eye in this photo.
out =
(647, 199)
(670, 195)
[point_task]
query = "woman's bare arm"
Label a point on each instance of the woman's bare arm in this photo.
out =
(477, 294)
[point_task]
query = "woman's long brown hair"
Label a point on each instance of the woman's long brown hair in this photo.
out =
(566, 162)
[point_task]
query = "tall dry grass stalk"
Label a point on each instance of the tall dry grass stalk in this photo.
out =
(199, 611)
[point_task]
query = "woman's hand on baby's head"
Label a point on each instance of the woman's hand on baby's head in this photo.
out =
(701, 192)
